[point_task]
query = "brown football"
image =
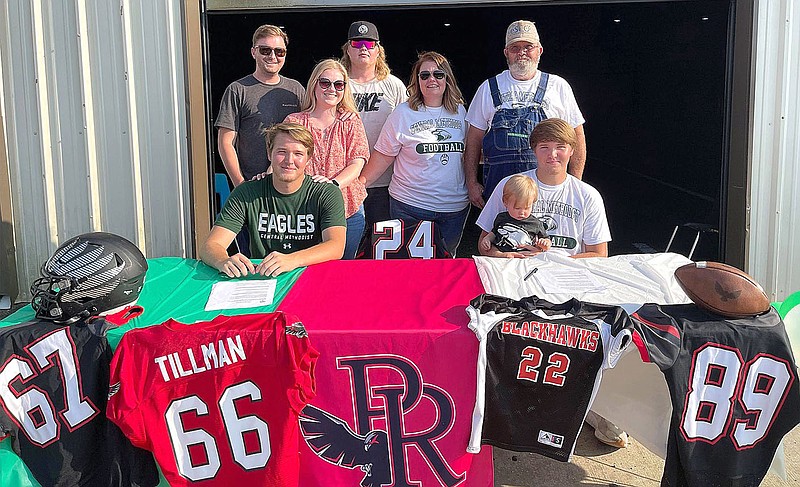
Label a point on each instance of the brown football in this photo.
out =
(722, 289)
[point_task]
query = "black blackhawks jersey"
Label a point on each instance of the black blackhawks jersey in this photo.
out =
(397, 239)
(539, 367)
(53, 393)
(733, 384)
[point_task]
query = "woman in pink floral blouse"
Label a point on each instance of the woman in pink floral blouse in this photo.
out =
(340, 142)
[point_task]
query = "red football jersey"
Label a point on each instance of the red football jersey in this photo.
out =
(216, 401)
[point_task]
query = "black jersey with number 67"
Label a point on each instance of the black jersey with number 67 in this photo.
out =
(733, 385)
(53, 393)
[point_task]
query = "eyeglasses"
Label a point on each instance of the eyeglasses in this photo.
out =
(325, 83)
(518, 49)
(438, 74)
(359, 43)
(266, 51)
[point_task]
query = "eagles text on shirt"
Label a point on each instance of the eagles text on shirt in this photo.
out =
(271, 222)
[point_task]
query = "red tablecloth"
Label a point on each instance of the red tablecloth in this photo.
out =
(397, 366)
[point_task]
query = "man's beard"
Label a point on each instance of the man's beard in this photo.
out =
(524, 68)
(288, 178)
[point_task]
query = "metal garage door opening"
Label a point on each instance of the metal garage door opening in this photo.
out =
(651, 79)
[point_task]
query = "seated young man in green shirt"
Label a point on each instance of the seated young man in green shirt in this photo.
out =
(292, 220)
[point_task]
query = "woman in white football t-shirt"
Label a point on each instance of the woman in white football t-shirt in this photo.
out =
(424, 137)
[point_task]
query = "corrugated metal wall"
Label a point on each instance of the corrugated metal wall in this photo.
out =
(774, 237)
(94, 113)
(92, 100)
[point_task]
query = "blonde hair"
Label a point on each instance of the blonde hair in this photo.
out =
(381, 66)
(520, 188)
(293, 130)
(268, 30)
(452, 95)
(309, 102)
(553, 130)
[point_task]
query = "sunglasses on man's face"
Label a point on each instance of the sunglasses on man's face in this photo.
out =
(325, 83)
(438, 74)
(359, 43)
(266, 51)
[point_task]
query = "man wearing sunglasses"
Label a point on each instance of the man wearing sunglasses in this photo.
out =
(254, 103)
(508, 106)
(377, 93)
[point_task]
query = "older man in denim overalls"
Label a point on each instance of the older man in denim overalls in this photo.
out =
(508, 106)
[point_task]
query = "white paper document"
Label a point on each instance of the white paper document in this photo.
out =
(556, 280)
(241, 294)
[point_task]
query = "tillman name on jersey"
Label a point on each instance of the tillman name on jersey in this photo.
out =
(559, 334)
(210, 356)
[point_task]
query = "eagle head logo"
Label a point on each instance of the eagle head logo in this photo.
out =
(548, 222)
(441, 135)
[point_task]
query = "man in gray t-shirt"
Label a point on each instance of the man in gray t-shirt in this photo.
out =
(253, 103)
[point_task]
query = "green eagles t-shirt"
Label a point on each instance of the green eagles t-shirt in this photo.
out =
(283, 222)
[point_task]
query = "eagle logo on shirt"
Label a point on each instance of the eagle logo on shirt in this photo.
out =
(513, 236)
(441, 134)
(548, 222)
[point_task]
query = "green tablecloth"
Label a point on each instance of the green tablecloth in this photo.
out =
(177, 288)
(174, 288)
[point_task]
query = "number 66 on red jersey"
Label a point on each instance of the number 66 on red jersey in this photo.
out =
(216, 400)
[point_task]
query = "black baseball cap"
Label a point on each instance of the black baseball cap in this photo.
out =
(362, 29)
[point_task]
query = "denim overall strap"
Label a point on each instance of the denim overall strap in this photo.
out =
(506, 149)
(539, 95)
(495, 91)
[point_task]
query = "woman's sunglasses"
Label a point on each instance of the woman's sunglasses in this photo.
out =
(266, 51)
(358, 44)
(325, 83)
(438, 74)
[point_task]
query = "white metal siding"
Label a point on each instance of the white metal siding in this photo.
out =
(774, 237)
(93, 96)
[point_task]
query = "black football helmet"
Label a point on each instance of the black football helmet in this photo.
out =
(87, 275)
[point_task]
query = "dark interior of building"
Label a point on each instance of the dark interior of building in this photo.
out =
(649, 77)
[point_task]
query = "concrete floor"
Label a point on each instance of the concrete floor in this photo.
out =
(597, 464)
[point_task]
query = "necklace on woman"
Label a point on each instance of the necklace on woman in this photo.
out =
(435, 112)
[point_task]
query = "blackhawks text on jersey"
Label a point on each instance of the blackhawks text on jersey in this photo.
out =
(53, 392)
(216, 401)
(734, 391)
(397, 239)
(539, 367)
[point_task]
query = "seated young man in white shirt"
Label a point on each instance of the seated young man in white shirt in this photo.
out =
(572, 211)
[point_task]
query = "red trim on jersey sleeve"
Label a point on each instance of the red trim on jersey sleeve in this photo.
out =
(123, 401)
(301, 357)
(639, 342)
(124, 315)
(671, 329)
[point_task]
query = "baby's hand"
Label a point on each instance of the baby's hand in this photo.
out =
(485, 244)
(543, 243)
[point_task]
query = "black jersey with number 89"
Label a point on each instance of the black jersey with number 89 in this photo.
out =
(734, 391)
